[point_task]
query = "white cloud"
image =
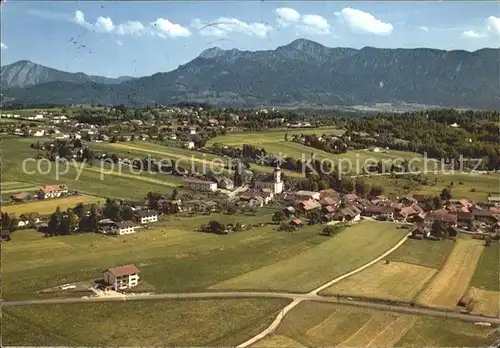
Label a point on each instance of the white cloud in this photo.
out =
(164, 28)
(119, 43)
(161, 27)
(423, 28)
(223, 26)
(493, 25)
(3, 46)
(314, 24)
(287, 16)
(362, 21)
(472, 34)
(308, 23)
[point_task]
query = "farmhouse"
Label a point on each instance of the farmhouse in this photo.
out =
(20, 196)
(380, 211)
(124, 227)
(120, 278)
(309, 205)
(52, 191)
(200, 185)
(307, 195)
(147, 216)
(348, 214)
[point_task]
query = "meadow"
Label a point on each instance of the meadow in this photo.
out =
(48, 206)
(452, 280)
(395, 281)
(304, 272)
(90, 181)
(427, 253)
(148, 323)
(172, 257)
(313, 324)
(475, 187)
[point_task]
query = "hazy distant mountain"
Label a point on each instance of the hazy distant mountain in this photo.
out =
(25, 73)
(302, 72)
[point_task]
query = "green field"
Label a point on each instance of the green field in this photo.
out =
(274, 143)
(476, 187)
(425, 252)
(139, 323)
(172, 257)
(487, 272)
(48, 206)
(126, 185)
(140, 149)
(16, 186)
(342, 253)
(313, 324)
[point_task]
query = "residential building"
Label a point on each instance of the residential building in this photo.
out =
(226, 183)
(302, 194)
(19, 197)
(52, 191)
(272, 182)
(124, 227)
(200, 185)
(309, 205)
(147, 216)
(189, 145)
(121, 278)
(380, 212)
(39, 133)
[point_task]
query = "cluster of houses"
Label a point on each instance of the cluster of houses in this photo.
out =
(142, 217)
(45, 192)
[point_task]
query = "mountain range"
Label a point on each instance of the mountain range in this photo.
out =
(302, 73)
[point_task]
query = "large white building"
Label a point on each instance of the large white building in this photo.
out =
(124, 227)
(200, 185)
(147, 216)
(52, 191)
(272, 182)
(120, 278)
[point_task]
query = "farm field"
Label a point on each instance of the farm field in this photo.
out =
(396, 281)
(485, 302)
(313, 324)
(48, 206)
(148, 323)
(452, 281)
(487, 273)
(141, 149)
(172, 257)
(475, 187)
(425, 252)
(306, 271)
(16, 186)
(15, 150)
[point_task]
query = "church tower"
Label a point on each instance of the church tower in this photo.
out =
(278, 184)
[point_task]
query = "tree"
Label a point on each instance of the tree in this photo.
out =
(79, 210)
(77, 143)
(128, 213)
(279, 216)
(112, 210)
(55, 222)
(286, 136)
(437, 229)
(314, 217)
(361, 188)
(376, 190)
(322, 185)
(175, 192)
(446, 194)
(215, 226)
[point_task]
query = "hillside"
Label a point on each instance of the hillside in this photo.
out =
(303, 72)
(25, 73)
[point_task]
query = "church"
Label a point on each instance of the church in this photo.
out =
(269, 181)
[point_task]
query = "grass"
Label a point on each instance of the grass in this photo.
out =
(425, 252)
(476, 187)
(487, 273)
(452, 281)
(15, 186)
(172, 257)
(342, 253)
(141, 149)
(89, 181)
(48, 206)
(139, 323)
(313, 324)
(395, 281)
(485, 302)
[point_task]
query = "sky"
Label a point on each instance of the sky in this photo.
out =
(139, 38)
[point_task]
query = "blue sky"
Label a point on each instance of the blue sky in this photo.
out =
(141, 38)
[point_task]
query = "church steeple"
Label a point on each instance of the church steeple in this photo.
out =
(277, 174)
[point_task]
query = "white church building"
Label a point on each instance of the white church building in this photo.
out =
(272, 182)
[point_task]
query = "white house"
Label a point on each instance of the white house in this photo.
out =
(303, 194)
(173, 137)
(200, 185)
(147, 216)
(273, 182)
(124, 227)
(39, 133)
(120, 278)
(190, 145)
(52, 191)
(192, 131)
